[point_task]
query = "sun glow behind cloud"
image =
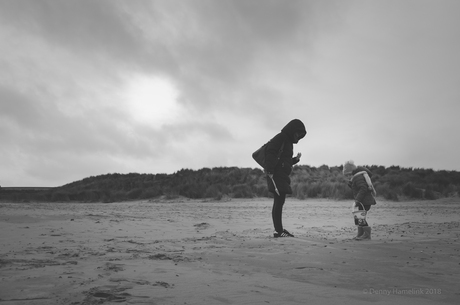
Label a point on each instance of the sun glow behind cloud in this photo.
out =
(164, 85)
(152, 100)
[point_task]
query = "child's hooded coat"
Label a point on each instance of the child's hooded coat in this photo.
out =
(362, 192)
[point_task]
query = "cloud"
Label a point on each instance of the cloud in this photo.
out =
(72, 74)
(18, 109)
(97, 26)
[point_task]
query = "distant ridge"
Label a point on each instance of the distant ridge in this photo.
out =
(26, 188)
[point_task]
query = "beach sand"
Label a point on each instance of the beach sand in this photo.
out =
(221, 252)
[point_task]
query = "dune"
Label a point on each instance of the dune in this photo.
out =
(222, 252)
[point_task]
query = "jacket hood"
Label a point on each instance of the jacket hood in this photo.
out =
(292, 127)
(362, 168)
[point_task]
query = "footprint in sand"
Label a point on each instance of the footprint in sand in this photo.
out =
(113, 267)
(202, 226)
(99, 295)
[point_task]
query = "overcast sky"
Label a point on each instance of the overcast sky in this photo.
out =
(96, 87)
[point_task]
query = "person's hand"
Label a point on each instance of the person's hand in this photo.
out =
(298, 157)
(269, 174)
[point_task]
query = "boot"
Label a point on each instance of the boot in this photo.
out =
(366, 235)
(360, 232)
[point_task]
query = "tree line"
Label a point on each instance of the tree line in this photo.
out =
(392, 183)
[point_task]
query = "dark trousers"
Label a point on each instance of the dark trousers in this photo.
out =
(277, 211)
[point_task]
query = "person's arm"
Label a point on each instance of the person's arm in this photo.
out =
(370, 185)
(272, 152)
(296, 159)
(361, 184)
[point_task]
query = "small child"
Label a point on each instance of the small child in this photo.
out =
(363, 193)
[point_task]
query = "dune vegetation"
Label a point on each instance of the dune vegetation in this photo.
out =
(392, 183)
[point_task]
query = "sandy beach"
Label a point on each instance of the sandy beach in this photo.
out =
(221, 252)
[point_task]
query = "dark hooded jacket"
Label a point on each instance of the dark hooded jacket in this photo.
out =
(281, 168)
(360, 188)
